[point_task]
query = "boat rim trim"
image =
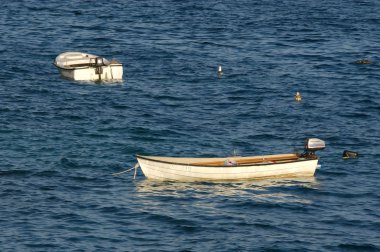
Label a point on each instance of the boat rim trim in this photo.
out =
(221, 166)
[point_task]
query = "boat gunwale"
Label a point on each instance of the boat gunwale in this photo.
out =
(70, 68)
(82, 67)
(223, 166)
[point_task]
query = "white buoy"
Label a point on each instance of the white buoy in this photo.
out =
(220, 71)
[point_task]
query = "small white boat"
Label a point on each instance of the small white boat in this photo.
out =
(233, 168)
(87, 67)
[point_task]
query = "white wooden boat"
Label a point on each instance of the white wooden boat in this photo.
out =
(87, 67)
(233, 168)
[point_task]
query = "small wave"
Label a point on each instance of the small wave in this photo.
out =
(356, 115)
(42, 246)
(47, 173)
(358, 247)
(67, 163)
(15, 172)
(183, 224)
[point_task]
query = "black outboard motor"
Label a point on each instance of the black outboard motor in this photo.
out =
(350, 154)
(311, 146)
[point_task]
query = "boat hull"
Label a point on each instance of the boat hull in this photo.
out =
(110, 72)
(163, 170)
(88, 67)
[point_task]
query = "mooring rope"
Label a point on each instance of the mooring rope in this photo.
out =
(130, 169)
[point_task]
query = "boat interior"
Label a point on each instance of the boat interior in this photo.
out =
(229, 161)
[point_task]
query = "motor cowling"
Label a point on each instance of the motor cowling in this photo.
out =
(312, 145)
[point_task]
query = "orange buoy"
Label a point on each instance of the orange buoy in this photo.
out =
(298, 97)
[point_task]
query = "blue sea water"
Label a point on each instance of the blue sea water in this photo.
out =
(61, 140)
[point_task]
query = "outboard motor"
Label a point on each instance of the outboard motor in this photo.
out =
(350, 154)
(311, 146)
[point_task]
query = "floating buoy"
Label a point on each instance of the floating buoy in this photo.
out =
(298, 97)
(220, 71)
(363, 61)
(350, 154)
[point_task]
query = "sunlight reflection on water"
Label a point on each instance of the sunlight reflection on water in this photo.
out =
(258, 190)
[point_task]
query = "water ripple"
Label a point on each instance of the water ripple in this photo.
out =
(62, 140)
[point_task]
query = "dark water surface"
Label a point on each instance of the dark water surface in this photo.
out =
(61, 140)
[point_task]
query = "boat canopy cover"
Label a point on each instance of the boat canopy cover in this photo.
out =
(71, 60)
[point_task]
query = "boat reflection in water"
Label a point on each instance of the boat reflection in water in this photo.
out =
(268, 190)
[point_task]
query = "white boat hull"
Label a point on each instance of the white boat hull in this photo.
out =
(87, 67)
(110, 72)
(164, 170)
